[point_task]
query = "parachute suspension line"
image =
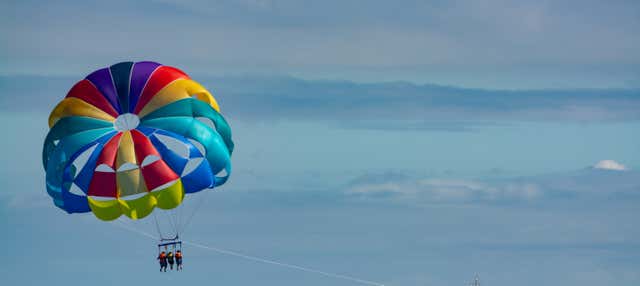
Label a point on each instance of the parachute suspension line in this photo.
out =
(155, 219)
(173, 214)
(199, 204)
(171, 223)
(264, 260)
(177, 217)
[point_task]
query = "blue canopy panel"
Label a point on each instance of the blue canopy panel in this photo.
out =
(199, 178)
(60, 171)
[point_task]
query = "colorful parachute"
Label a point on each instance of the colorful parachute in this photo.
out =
(132, 137)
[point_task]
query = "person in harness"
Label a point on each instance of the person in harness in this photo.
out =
(162, 258)
(178, 260)
(170, 259)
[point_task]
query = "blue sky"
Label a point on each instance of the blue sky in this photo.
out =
(413, 143)
(493, 43)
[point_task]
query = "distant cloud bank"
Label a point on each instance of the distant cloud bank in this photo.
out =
(389, 105)
(410, 106)
(440, 190)
(587, 183)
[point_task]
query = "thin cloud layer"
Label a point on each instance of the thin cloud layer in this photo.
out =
(437, 190)
(378, 103)
(388, 106)
(586, 184)
(547, 44)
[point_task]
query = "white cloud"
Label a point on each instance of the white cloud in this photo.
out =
(443, 190)
(610, 165)
(585, 183)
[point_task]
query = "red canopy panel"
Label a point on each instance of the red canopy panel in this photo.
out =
(88, 92)
(158, 80)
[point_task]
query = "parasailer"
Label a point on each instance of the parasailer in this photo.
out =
(170, 259)
(162, 258)
(134, 137)
(178, 260)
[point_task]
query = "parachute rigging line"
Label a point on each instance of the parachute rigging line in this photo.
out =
(258, 259)
(160, 235)
(185, 224)
(155, 219)
(170, 218)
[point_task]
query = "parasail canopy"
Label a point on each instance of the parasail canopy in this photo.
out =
(132, 137)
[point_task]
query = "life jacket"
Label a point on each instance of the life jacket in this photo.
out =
(178, 254)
